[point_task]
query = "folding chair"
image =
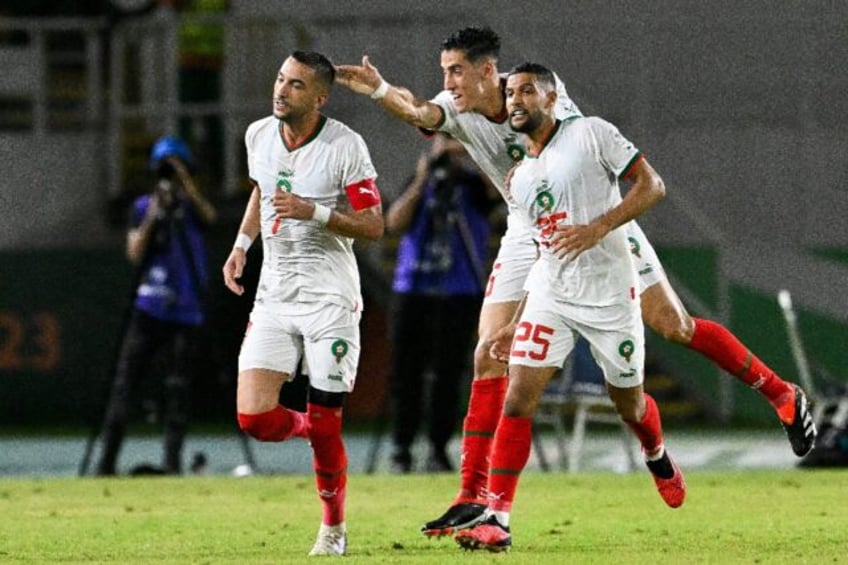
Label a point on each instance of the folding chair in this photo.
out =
(580, 385)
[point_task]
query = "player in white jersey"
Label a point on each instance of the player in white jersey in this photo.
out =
(569, 178)
(313, 192)
(472, 108)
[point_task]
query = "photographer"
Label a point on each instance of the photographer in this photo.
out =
(440, 276)
(166, 244)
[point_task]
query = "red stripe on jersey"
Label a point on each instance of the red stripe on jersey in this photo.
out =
(363, 194)
(632, 166)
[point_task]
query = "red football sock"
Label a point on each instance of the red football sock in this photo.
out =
(329, 460)
(478, 431)
(649, 428)
(277, 424)
(718, 344)
(509, 456)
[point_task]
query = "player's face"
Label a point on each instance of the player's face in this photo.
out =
(297, 92)
(463, 79)
(526, 103)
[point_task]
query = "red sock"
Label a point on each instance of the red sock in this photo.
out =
(509, 456)
(478, 431)
(725, 350)
(329, 460)
(277, 424)
(649, 428)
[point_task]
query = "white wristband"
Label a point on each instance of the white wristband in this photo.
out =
(243, 241)
(380, 91)
(321, 214)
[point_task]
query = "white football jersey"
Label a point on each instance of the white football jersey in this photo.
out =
(574, 180)
(303, 261)
(494, 146)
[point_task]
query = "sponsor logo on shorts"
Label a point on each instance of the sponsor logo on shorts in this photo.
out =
(339, 349)
(626, 349)
(635, 248)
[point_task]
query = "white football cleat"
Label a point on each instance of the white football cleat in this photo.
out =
(332, 540)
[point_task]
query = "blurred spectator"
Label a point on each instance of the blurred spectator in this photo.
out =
(166, 243)
(438, 288)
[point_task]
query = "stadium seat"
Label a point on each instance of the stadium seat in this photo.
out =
(579, 387)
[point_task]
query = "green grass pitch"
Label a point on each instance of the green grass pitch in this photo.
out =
(729, 517)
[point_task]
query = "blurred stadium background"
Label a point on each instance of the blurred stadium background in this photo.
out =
(740, 106)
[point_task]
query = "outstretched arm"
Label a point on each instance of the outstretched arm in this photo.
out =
(398, 101)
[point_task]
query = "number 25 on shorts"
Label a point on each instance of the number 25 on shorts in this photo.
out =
(531, 341)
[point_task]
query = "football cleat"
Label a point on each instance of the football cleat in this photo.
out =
(672, 490)
(457, 517)
(802, 431)
(488, 535)
(332, 540)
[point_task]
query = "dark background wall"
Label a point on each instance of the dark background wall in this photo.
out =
(740, 106)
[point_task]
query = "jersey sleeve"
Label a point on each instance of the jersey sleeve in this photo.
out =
(616, 152)
(565, 107)
(444, 100)
(359, 175)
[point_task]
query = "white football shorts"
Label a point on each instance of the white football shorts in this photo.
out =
(546, 335)
(649, 270)
(327, 335)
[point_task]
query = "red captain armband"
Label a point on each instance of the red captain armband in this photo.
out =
(363, 194)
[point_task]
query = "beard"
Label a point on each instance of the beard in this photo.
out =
(531, 122)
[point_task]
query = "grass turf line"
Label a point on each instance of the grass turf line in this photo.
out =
(729, 517)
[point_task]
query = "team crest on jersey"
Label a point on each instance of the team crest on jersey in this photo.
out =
(513, 148)
(544, 199)
(339, 349)
(284, 180)
(626, 349)
(635, 248)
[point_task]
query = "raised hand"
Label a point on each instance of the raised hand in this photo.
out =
(363, 79)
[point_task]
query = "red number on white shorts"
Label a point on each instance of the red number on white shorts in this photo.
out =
(490, 286)
(534, 333)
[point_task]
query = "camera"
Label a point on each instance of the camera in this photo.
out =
(167, 192)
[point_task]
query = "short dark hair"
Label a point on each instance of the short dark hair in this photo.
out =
(543, 74)
(476, 42)
(323, 67)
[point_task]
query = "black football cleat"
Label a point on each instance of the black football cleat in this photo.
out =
(457, 517)
(802, 431)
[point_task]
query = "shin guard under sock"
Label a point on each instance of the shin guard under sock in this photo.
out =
(484, 411)
(717, 343)
(510, 452)
(329, 460)
(649, 428)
